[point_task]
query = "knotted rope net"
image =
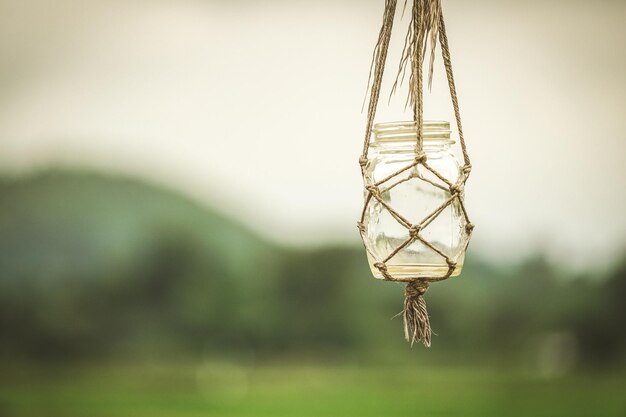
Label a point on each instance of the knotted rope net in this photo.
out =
(426, 28)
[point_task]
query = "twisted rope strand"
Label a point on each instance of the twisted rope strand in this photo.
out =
(380, 54)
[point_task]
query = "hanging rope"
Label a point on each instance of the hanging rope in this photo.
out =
(426, 27)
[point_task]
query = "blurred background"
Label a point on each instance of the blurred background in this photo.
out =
(179, 190)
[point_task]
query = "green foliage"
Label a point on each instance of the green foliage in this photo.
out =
(95, 266)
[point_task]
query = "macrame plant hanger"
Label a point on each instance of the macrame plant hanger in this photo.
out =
(426, 26)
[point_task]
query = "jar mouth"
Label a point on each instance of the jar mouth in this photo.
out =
(404, 131)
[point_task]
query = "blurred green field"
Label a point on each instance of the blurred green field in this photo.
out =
(228, 389)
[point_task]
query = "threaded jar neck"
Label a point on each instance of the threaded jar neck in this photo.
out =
(406, 131)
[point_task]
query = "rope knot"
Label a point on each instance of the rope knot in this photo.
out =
(381, 267)
(456, 188)
(373, 190)
(414, 231)
(360, 226)
(420, 157)
(451, 263)
(466, 169)
(415, 288)
(363, 161)
(469, 227)
(383, 270)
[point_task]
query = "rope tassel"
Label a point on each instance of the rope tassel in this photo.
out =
(416, 322)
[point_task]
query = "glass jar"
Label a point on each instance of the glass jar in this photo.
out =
(414, 195)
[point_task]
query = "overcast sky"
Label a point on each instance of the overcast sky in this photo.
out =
(254, 108)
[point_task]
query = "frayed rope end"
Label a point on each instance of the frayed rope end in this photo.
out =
(416, 322)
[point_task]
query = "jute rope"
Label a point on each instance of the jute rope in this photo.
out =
(426, 27)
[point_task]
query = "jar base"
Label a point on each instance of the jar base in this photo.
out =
(417, 271)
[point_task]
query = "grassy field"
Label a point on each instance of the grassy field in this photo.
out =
(227, 389)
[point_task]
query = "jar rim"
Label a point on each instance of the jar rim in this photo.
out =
(407, 131)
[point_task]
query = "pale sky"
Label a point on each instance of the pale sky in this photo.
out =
(254, 108)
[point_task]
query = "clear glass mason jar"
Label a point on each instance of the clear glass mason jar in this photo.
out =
(414, 194)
